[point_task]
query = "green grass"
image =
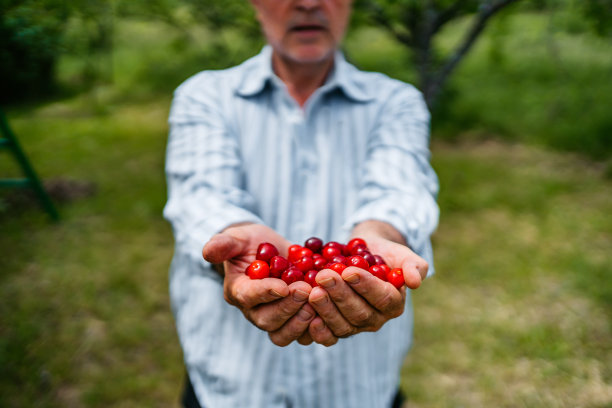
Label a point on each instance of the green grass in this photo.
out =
(519, 313)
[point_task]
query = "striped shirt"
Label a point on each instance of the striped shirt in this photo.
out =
(241, 149)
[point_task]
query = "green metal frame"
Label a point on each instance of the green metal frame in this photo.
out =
(9, 141)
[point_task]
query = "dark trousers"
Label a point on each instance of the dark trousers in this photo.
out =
(190, 401)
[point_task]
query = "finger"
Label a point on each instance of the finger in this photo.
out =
(320, 333)
(382, 296)
(355, 310)
(327, 310)
(246, 293)
(272, 316)
(305, 339)
(295, 328)
(415, 272)
(223, 247)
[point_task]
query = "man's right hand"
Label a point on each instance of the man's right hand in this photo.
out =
(270, 304)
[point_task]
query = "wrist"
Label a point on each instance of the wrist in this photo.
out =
(378, 229)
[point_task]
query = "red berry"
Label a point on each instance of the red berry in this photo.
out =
(278, 265)
(360, 250)
(294, 252)
(304, 264)
(386, 268)
(337, 267)
(334, 244)
(319, 263)
(314, 244)
(258, 270)
(291, 275)
(357, 261)
(354, 242)
(310, 276)
(379, 272)
(379, 260)
(396, 277)
(338, 259)
(305, 252)
(369, 258)
(329, 252)
(266, 251)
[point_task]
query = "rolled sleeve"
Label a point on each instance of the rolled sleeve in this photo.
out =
(203, 169)
(399, 186)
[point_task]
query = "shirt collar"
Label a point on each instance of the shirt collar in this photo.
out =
(343, 77)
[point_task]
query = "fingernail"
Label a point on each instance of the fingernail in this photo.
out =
(320, 327)
(320, 301)
(327, 283)
(275, 293)
(304, 314)
(300, 296)
(354, 278)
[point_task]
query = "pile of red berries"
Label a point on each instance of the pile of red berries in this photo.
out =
(304, 262)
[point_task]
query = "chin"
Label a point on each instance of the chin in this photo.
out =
(311, 55)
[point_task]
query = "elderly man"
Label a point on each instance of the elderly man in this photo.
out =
(293, 143)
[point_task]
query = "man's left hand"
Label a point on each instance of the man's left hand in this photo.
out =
(357, 301)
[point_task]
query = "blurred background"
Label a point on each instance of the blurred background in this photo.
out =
(519, 313)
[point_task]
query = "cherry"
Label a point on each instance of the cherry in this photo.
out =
(357, 261)
(370, 259)
(258, 270)
(304, 264)
(352, 243)
(396, 277)
(314, 244)
(360, 250)
(278, 265)
(379, 272)
(319, 263)
(329, 252)
(310, 276)
(293, 254)
(305, 252)
(385, 268)
(291, 275)
(266, 251)
(337, 267)
(379, 260)
(334, 244)
(338, 259)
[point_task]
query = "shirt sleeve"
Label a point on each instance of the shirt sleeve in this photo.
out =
(204, 171)
(399, 186)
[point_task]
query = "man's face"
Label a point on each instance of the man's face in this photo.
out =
(303, 31)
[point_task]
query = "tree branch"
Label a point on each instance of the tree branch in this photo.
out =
(384, 20)
(447, 15)
(487, 11)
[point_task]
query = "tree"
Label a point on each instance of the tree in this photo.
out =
(415, 23)
(30, 42)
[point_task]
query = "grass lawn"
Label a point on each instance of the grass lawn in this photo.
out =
(519, 313)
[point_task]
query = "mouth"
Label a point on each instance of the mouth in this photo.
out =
(307, 28)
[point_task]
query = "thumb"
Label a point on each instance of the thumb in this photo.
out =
(222, 247)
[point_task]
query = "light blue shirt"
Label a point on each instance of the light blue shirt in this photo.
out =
(241, 149)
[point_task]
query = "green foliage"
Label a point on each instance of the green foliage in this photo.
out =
(219, 14)
(30, 42)
(599, 13)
